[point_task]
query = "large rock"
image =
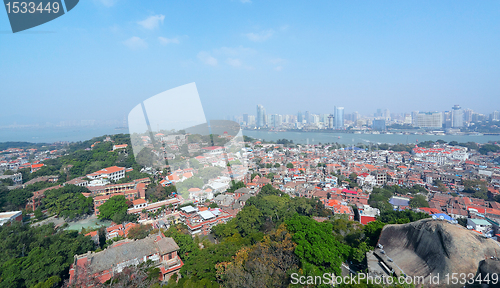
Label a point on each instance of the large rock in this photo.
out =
(489, 267)
(430, 247)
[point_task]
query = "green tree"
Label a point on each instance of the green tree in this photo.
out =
(32, 255)
(289, 165)
(317, 248)
(68, 201)
(249, 220)
(418, 201)
(114, 205)
(39, 214)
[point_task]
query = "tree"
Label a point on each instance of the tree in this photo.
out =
(235, 186)
(353, 177)
(39, 214)
(264, 264)
(418, 201)
(114, 205)
(68, 201)
(372, 232)
(249, 220)
(32, 255)
(289, 165)
(277, 165)
(139, 232)
(317, 248)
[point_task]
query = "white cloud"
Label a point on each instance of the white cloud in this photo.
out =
(152, 22)
(135, 43)
(107, 3)
(277, 60)
(235, 51)
(234, 62)
(165, 41)
(207, 58)
(260, 36)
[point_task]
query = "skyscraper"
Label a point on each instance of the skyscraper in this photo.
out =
(414, 116)
(299, 117)
(339, 118)
(378, 124)
(308, 117)
(245, 119)
(495, 116)
(330, 122)
(457, 117)
(261, 116)
(429, 120)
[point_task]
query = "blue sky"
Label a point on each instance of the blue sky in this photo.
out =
(105, 56)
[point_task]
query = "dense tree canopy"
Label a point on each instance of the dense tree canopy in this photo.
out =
(115, 205)
(68, 201)
(317, 248)
(30, 255)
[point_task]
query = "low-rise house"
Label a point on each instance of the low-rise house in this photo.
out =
(201, 222)
(480, 225)
(111, 261)
(367, 214)
(6, 217)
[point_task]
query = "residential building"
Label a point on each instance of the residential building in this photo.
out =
(111, 173)
(105, 264)
(6, 217)
(429, 120)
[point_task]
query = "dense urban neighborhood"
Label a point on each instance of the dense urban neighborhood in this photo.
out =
(220, 210)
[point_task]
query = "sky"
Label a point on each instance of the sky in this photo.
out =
(104, 57)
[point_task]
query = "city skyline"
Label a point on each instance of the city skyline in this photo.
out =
(456, 118)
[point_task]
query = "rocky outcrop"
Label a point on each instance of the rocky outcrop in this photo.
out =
(430, 247)
(490, 269)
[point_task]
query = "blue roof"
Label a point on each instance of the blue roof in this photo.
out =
(399, 202)
(444, 216)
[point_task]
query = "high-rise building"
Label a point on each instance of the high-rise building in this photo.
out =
(314, 119)
(447, 119)
(339, 118)
(299, 117)
(387, 115)
(261, 116)
(308, 117)
(414, 116)
(245, 119)
(429, 120)
(407, 118)
(276, 120)
(476, 117)
(355, 118)
(330, 122)
(468, 115)
(457, 117)
(251, 120)
(495, 116)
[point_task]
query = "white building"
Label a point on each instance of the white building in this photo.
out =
(111, 173)
(480, 225)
